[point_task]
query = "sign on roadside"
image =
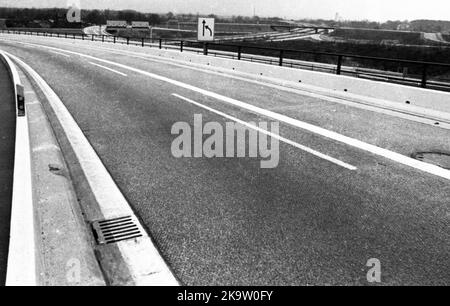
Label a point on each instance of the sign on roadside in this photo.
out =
(140, 24)
(206, 29)
(116, 24)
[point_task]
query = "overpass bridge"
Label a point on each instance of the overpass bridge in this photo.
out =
(362, 170)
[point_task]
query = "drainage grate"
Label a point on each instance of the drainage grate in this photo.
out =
(441, 159)
(115, 230)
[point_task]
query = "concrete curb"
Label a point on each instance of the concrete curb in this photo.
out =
(22, 254)
(64, 247)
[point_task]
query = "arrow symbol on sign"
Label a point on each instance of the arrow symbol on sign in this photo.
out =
(207, 28)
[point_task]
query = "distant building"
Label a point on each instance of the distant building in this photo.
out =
(404, 27)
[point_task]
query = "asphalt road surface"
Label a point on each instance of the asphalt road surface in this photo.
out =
(7, 142)
(226, 221)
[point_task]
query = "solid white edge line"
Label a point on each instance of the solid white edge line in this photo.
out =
(144, 261)
(385, 153)
(109, 69)
(276, 136)
(21, 265)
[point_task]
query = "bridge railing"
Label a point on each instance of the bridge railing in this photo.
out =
(432, 75)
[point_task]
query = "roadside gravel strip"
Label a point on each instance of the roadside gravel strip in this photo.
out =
(129, 262)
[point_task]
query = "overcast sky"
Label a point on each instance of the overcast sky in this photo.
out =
(378, 10)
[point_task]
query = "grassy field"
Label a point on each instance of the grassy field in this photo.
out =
(169, 34)
(165, 33)
(222, 27)
(378, 36)
(49, 30)
(414, 53)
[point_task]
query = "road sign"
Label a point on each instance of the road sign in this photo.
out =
(140, 24)
(116, 24)
(206, 29)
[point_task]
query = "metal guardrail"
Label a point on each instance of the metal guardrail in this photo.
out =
(278, 57)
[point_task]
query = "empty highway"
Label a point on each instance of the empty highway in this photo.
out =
(332, 203)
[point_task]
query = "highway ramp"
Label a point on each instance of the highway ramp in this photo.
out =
(227, 221)
(96, 30)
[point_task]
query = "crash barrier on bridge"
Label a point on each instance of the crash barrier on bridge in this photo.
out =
(18, 87)
(398, 71)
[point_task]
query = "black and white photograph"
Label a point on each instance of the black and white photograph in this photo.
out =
(224, 151)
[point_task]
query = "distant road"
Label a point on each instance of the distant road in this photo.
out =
(96, 30)
(226, 221)
(436, 37)
(7, 142)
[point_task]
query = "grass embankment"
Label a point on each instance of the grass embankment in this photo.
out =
(378, 36)
(49, 30)
(414, 53)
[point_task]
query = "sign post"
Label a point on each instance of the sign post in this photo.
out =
(205, 29)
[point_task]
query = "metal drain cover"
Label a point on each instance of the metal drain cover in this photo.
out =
(115, 230)
(441, 159)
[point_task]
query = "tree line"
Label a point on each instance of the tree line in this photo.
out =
(56, 17)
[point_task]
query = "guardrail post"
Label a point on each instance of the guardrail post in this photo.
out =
(239, 52)
(339, 65)
(73, 36)
(142, 41)
(424, 76)
(160, 43)
(181, 46)
(281, 58)
(128, 40)
(103, 38)
(205, 48)
(92, 37)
